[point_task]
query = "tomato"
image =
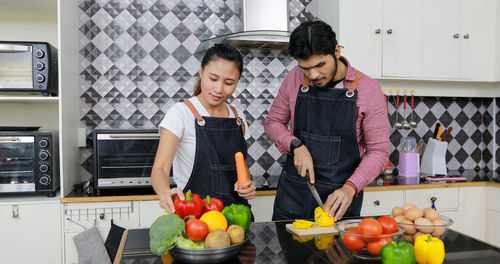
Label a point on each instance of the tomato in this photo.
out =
(388, 224)
(353, 242)
(196, 229)
(374, 247)
(369, 226)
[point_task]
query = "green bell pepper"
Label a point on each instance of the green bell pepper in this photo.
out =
(400, 253)
(237, 214)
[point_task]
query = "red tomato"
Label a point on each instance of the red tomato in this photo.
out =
(369, 226)
(374, 247)
(196, 229)
(353, 242)
(388, 224)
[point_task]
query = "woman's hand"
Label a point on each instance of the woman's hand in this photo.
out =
(167, 199)
(247, 190)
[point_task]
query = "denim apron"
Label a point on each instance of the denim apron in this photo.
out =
(325, 121)
(214, 169)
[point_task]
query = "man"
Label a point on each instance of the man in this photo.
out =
(339, 130)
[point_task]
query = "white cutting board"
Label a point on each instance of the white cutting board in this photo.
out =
(315, 230)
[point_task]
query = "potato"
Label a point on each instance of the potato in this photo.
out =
(400, 218)
(217, 239)
(424, 225)
(236, 234)
(431, 214)
(414, 213)
(408, 238)
(409, 229)
(438, 231)
(397, 211)
(408, 206)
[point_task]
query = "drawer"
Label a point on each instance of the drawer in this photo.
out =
(381, 202)
(446, 198)
(124, 214)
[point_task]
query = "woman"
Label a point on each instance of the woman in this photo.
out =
(200, 136)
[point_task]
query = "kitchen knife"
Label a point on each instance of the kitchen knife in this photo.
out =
(446, 133)
(315, 193)
(436, 129)
(439, 132)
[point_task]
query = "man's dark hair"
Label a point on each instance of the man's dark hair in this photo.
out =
(312, 38)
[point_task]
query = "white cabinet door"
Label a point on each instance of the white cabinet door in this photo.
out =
(442, 35)
(71, 252)
(360, 35)
(149, 211)
(381, 202)
(478, 39)
(33, 236)
(492, 227)
(471, 218)
(402, 38)
(262, 207)
(446, 198)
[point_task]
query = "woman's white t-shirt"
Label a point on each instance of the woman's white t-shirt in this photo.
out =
(180, 121)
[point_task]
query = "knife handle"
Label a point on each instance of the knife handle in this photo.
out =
(436, 129)
(446, 133)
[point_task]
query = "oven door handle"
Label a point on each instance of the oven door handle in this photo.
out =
(12, 48)
(9, 139)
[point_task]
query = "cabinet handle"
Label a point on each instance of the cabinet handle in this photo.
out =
(15, 211)
(466, 36)
(456, 36)
(433, 199)
(389, 31)
(378, 31)
(376, 202)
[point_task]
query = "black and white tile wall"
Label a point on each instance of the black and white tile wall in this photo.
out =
(136, 60)
(496, 132)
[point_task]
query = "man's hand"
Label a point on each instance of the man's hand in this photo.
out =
(302, 160)
(339, 201)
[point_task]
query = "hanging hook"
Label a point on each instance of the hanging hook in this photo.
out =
(75, 222)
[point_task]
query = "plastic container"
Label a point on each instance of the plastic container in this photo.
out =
(408, 166)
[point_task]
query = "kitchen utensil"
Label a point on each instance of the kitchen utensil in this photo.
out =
(387, 106)
(412, 121)
(405, 124)
(397, 125)
(434, 158)
(315, 193)
(408, 161)
(212, 255)
(446, 133)
(436, 130)
(419, 146)
(315, 230)
(440, 131)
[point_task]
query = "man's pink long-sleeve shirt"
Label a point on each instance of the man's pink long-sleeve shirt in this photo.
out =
(372, 124)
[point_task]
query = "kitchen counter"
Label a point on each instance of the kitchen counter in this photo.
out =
(473, 178)
(269, 242)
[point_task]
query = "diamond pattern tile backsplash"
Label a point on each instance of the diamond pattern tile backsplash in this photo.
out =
(137, 59)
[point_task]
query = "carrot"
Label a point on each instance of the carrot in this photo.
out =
(241, 169)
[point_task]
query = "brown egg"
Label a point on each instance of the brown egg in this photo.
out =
(424, 225)
(431, 214)
(408, 206)
(397, 211)
(438, 231)
(414, 213)
(400, 218)
(408, 238)
(417, 234)
(409, 228)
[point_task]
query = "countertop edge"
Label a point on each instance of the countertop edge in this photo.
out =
(273, 192)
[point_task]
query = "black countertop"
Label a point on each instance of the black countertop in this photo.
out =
(269, 242)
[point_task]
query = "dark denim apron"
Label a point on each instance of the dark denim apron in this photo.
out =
(214, 170)
(325, 120)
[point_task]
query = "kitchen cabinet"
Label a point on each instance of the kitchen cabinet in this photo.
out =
(418, 40)
(381, 202)
(30, 231)
(492, 234)
(149, 210)
(262, 207)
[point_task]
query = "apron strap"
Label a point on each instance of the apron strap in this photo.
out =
(354, 84)
(238, 119)
(194, 111)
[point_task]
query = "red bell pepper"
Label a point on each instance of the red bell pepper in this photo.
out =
(212, 204)
(192, 205)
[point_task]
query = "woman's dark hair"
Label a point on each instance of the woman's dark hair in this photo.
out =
(312, 38)
(220, 51)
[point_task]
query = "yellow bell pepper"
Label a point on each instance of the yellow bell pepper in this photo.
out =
(429, 250)
(322, 242)
(302, 224)
(322, 218)
(302, 239)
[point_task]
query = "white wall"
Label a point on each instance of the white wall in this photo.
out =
(32, 31)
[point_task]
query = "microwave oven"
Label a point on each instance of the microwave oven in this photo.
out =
(28, 163)
(123, 158)
(28, 67)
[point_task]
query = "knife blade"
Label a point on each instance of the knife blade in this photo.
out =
(315, 193)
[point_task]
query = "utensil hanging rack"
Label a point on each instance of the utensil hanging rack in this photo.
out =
(86, 213)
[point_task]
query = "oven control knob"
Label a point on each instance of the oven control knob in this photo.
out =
(44, 168)
(40, 78)
(39, 53)
(40, 66)
(44, 180)
(43, 143)
(43, 155)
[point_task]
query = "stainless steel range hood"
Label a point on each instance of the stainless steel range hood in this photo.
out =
(265, 26)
